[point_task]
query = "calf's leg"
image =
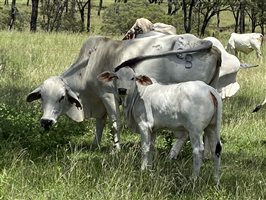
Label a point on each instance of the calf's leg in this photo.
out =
(181, 137)
(197, 147)
(147, 147)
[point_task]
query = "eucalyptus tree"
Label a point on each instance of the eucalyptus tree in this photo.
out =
(234, 7)
(13, 13)
(256, 10)
(188, 7)
(207, 9)
(34, 15)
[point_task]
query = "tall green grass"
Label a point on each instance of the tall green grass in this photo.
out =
(60, 165)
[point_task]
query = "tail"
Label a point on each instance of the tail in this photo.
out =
(218, 117)
(259, 106)
(246, 65)
(217, 100)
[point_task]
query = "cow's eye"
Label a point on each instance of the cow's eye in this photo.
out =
(62, 97)
(132, 79)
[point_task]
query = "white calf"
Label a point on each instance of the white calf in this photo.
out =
(188, 109)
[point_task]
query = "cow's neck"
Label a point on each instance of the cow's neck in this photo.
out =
(74, 75)
(131, 100)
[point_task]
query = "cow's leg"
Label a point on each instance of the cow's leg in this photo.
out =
(181, 137)
(147, 147)
(236, 53)
(197, 147)
(258, 52)
(215, 148)
(112, 108)
(100, 123)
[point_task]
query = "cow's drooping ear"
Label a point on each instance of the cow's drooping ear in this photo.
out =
(106, 76)
(73, 98)
(144, 80)
(34, 95)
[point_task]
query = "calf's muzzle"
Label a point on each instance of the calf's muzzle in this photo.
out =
(122, 91)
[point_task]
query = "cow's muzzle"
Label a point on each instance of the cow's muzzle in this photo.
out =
(47, 123)
(122, 91)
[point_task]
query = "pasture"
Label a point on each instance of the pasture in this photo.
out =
(59, 164)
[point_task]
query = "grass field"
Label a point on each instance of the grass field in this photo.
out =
(60, 165)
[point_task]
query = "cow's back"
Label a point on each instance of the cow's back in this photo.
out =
(201, 65)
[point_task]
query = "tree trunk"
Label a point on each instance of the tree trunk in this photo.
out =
(67, 6)
(242, 17)
(218, 19)
(205, 23)
(89, 16)
(253, 20)
(188, 16)
(34, 15)
(262, 29)
(169, 7)
(236, 21)
(100, 7)
(82, 18)
(6, 3)
(12, 14)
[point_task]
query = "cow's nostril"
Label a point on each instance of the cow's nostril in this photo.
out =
(122, 91)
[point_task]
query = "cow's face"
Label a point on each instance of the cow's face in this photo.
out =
(125, 80)
(55, 95)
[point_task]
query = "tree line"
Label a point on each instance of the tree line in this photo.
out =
(75, 15)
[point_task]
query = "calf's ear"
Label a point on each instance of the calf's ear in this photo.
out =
(106, 76)
(34, 95)
(144, 80)
(73, 98)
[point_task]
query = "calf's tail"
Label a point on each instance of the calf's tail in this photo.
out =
(218, 103)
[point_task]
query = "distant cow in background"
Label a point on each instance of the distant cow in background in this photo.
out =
(143, 25)
(245, 43)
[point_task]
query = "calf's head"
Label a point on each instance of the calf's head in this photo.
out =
(125, 80)
(56, 97)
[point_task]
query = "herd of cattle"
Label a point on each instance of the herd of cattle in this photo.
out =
(164, 81)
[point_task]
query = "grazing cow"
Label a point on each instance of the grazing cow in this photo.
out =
(227, 84)
(259, 106)
(143, 25)
(188, 109)
(245, 43)
(78, 94)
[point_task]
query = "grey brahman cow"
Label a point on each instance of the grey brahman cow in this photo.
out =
(78, 94)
